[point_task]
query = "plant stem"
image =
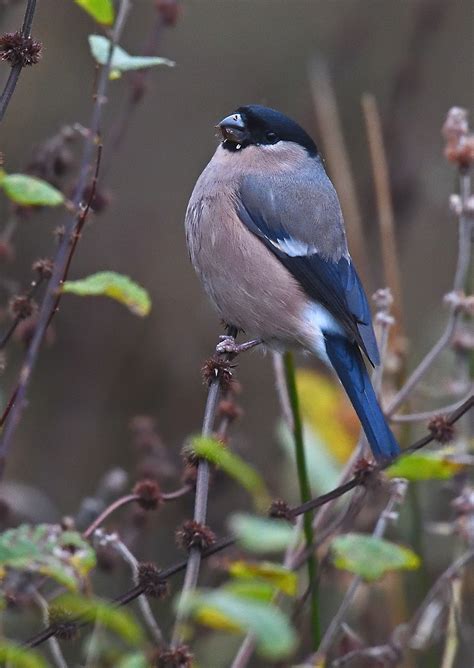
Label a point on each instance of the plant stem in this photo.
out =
(305, 493)
(147, 614)
(455, 316)
(384, 205)
(389, 513)
(15, 406)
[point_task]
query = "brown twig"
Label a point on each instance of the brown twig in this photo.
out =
(81, 221)
(137, 81)
(384, 205)
(427, 415)
(15, 71)
(118, 503)
(327, 113)
(125, 501)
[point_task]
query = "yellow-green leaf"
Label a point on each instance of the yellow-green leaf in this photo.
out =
(371, 557)
(271, 628)
(254, 589)
(118, 287)
(424, 466)
(234, 466)
(261, 535)
(30, 191)
(121, 60)
(326, 409)
(276, 574)
(101, 11)
(19, 657)
(117, 620)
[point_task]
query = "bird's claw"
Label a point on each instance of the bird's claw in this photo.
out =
(228, 345)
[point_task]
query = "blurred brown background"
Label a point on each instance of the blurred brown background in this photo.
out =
(107, 365)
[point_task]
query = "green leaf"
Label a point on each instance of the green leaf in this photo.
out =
(113, 285)
(234, 466)
(323, 469)
(121, 60)
(259, 535)
(18, 657)
(135, 660)
(424, 466)
(371, 557)
(275, 637)
(101, 11)
(30, 191)
(47, 549)
(117, 620)
(278, 576)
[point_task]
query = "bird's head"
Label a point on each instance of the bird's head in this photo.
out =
(254, 125)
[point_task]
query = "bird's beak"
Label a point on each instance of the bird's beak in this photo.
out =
(233, 129)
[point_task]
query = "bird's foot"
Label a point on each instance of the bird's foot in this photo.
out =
(228, 345)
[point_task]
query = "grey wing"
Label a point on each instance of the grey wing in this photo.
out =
(298, 217)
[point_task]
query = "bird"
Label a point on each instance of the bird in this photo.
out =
(265, 234)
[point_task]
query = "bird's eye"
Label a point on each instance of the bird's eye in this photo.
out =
(272, 138)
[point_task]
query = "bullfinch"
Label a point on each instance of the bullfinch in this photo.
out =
(266, 237)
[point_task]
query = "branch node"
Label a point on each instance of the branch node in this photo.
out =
(195, 534)
(22, 306)
(149, 494)
(150, 580)
(216, 368)
(177, 657)
(43, 267)
(280, 509)
(19, 49)
(441, 430)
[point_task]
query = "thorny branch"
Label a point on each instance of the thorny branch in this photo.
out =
(112, 539)
(226, 542)
(15, 71)
(62, 258)
(456, 125)
(389, 514)
(393, 652)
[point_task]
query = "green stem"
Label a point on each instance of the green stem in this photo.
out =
(305, 493)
